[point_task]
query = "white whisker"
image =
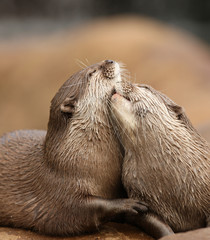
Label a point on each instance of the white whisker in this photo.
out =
(81, 64)
(87, 61)
(74, 84)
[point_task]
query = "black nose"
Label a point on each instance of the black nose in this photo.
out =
(109, 61)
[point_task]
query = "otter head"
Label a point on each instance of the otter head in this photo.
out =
(145, 114)
(79, 109)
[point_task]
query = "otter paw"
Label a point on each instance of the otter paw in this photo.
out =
(131, 206)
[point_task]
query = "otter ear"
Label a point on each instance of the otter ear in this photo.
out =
(179, 111)
(67, 106)
(181, 115)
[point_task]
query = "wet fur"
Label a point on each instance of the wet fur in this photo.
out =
(166, 163)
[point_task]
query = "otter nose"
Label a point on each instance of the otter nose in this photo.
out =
(109, 61)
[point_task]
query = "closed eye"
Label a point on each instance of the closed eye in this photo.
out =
(91, 73)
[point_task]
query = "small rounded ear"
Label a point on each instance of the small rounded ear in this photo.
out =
(67, 106)
(180, 113)
(178, 110)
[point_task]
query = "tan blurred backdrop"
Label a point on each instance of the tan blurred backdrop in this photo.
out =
(33, 68)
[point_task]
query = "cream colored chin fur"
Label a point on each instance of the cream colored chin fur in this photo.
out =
(122, 109)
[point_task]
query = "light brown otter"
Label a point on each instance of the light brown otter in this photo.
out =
(67, 181)
(166, 163)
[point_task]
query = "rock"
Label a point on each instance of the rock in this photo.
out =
(110, 231)
(199, 234)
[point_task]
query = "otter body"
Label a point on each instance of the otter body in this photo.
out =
(166, 163)
(67, 180)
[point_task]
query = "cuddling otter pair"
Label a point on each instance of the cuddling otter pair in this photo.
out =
(103, 131)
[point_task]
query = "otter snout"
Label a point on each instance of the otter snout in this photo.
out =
(116, 97)
(109, 61)
(110, 69)
(120, 102)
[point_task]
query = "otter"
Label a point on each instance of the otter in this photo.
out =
(67, 181)
(166, 163)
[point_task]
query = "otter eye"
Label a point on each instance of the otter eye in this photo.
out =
(91, 73)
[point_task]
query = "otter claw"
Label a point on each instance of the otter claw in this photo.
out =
(134, 206)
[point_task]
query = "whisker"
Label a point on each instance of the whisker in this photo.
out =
(134, 79)
(122, 65)
(80, 63)
(87, 61)
(125, 75)
(74, 84)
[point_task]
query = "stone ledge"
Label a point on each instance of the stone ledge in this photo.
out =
(199, 234)
(110, 231)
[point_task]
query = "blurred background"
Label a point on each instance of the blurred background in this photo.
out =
(164, 43)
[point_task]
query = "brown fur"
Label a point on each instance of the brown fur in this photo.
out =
(66, 181)
(167, 163)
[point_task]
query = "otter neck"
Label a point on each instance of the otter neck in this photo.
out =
(160, 145)
(80, 140)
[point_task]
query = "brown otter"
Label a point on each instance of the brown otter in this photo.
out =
(167, 163)
(66, 181)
